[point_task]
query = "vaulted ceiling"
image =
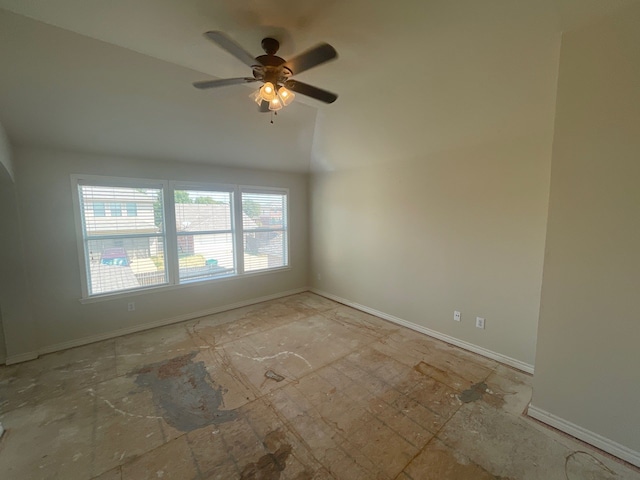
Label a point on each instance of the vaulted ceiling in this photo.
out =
(414, 77)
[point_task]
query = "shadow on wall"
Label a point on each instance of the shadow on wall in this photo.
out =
(5, 183)
(17, 337)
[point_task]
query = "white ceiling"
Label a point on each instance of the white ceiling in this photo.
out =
(414, 77)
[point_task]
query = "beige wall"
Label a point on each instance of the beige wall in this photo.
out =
(6, 174)
(588, 355)
(16, 327)
(461, 230)
(5, 153)
(44, 190)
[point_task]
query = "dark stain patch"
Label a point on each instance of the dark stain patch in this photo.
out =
(426, 369)
(448, 378)
(184, 395)
(474, 393)
(271, 465)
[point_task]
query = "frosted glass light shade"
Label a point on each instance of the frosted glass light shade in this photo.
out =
(256, 97)
(286, 96)
(275, 104)
(268, 92)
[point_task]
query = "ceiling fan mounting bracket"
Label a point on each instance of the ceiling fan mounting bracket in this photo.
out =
(270, 45)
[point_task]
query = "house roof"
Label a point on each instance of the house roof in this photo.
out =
(194, 217)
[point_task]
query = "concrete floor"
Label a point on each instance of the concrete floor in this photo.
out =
(361, 398)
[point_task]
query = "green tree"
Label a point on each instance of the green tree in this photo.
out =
(182, 197)
(157, 211)
(206, 200)
(251, 208)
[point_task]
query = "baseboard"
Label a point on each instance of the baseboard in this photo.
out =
(585, 435)
(21, 357)
(512, 362)
(158, 323)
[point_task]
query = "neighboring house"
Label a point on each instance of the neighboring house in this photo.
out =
(119, 214)
(204, 229)
(115, 218)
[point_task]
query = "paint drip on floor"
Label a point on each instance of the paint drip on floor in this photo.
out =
(184, 394)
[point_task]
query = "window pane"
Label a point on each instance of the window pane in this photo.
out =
(98, 209)
(264, 250)
(205, 234)
(115, 209)
(122, 252)
(132, 209)
(264, 220)
(125, 264)
(260, 210)
(203, 256)
(147, 202)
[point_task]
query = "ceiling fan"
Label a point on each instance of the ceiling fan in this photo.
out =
(274, 72)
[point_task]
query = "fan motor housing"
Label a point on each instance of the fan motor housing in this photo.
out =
(270, 60)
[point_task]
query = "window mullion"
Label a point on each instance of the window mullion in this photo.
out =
(171, 234)
(239, 232)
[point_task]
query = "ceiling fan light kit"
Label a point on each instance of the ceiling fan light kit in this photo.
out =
(274, 72)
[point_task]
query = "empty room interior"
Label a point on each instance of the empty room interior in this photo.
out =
(313, 239)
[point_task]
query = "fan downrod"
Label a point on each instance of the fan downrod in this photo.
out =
(270, 45)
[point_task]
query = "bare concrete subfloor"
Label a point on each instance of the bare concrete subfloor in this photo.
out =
(361, 398)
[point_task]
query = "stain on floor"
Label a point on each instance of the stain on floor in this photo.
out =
(184, 394)
(271, 465)
(473, 393)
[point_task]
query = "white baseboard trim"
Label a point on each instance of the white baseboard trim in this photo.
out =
(512, 362)
(21, 357)
(585, 435)
(146, 326)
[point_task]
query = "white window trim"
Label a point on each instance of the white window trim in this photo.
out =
(169, 235)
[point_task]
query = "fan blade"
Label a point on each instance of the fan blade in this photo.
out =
(311, 58)
(311, 91)
(223, 82)
(232, 47)
(264, 107)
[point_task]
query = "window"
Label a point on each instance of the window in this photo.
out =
(175, 233)
(204, 228)
(122, 253)
(98, 209)
(115, 209)
(132, 209)
(264, 225)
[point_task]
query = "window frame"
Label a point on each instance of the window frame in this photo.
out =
(205, 187)
(170, 232)
(117, 182)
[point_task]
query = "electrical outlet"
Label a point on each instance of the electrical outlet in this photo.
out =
(456, 315)
(319, 277)
(480, 322)
(131, 306)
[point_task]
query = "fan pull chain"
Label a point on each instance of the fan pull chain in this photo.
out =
(272, 114)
